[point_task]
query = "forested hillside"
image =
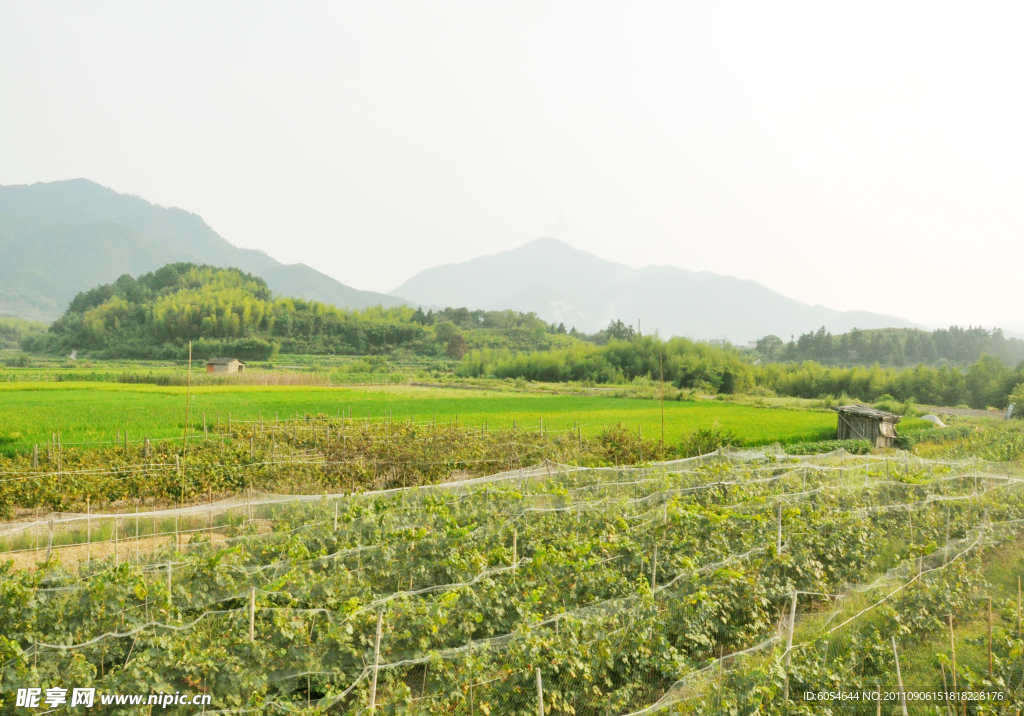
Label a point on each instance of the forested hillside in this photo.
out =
(894, 347)
(227, 311)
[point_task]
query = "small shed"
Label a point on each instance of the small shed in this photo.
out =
(862, 422)
(225, 365)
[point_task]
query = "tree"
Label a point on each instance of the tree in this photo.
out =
(769, 346)
(456, 347)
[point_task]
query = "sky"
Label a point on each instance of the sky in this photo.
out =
(855, 155)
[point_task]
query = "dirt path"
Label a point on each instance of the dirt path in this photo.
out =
(73, 555)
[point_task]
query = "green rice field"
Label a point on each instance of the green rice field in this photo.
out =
(96, 413)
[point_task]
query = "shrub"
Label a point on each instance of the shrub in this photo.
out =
(854, 447)
(906, 440)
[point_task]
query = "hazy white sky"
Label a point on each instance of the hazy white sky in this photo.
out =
(858, 155)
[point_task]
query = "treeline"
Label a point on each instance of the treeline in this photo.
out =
(987, 382)
(710, 370)
(682, 362)
(895, 347)
(229, 312)
(14, 330)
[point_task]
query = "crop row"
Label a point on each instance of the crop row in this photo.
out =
(616, 583)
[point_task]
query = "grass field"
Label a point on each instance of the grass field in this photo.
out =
(95, 412)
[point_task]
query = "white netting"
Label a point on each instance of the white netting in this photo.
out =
(632, 589)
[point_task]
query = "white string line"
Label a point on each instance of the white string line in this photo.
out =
(381, 601)
(380, 545)
(730, 657)
(451, 587)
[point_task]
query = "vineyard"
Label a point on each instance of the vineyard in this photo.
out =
(732, 583)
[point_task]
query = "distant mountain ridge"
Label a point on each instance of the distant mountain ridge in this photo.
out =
(564, 284)
(59, 238)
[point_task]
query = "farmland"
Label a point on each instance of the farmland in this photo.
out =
(96, 413)
(614, 589)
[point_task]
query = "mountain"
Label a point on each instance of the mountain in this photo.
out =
(60, 238)
(563, 284)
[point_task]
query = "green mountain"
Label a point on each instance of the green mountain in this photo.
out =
(226, 311)
(60, 238)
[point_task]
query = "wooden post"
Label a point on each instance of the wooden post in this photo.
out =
(88, 529)
(376, 663)
(206, 433)
(252, 614)
(35, 456)
(116, 556)
(170, 601)
(136, 533)
(335, 515)
(540, 694)
(49, 550)
(789, 643)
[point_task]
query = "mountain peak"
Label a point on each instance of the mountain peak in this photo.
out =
(62, 237)
(561, 283)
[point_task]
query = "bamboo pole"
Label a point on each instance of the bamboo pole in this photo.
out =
(778, 533)
(515, 553)
(654, 567)
(789, 644)
(990, 638)
(184, 437)
(945, 690)
(88, 529)
(952, 651)
(252, 614)
(376, 662)
(899, 677)
(540, 694)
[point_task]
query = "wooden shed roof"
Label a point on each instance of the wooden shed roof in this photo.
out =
(223, 361)
(866, 411)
